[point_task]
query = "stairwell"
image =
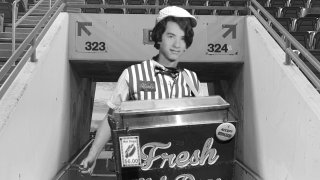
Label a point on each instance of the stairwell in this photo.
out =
(24, 29)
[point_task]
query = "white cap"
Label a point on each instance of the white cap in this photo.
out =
(176, 12)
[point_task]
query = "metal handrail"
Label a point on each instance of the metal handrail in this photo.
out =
(65, 168)
(286, 45)
(31, 38)
(15, 24)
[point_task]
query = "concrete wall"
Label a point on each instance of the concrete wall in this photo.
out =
(45, 115)
(279, 134)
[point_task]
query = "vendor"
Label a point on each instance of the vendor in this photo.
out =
(157, 78)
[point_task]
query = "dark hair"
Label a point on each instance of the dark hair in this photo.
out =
(184, 24)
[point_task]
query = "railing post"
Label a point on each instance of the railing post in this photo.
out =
(33, 55)
(288, 58)
(13, 33)
(65, 7)
(49, 4)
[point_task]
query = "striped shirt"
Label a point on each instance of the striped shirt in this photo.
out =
(143, 82)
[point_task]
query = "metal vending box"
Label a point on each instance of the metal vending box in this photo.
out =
(175, 139)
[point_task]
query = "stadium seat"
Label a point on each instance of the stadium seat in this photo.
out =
(6, 9)
(176, 2)
(217, 3)
(316, 41)
(136, 11)
(22, 5)
(199, 3)
(203, 12)
(293, 12)
(278, 3)
(312, 12)
(93, 1)
(153, 2)
(220, 3)
(92, 10)
(241, 3)
(299, 3)
(306, 24)
(286, 23)
(274, 11)
(225, 12)
(114, 10)
(316, 54)
(264, 3)
(314, 3)
(203, 3)
(303, 38)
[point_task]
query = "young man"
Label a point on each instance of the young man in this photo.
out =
(158, 78)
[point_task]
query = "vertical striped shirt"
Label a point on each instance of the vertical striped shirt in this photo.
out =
(145, 83)
(142, 82)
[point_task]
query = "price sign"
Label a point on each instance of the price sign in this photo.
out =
(130, 151)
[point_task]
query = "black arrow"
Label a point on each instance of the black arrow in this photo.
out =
(232, 29)
(82, 26)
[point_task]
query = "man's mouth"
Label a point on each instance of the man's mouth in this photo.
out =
(175, 51)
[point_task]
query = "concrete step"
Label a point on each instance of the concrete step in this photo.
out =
(20, 25)
(19, 30)
(9, 35)
(3, 60)
(5, 54)
(8, 40)
(34, 18)
(34, 14)
(29, 21)
(7, 46)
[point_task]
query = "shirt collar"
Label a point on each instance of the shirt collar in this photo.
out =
(160, 69)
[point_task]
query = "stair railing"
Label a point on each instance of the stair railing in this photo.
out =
(32, 39)
(65, 169)
(15, 24)
(286, 44)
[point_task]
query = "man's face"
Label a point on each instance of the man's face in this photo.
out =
(172, 45)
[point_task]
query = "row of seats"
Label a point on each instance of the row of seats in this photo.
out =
(293, 12)
(300, 24)
(290, 3)
(227, 3)
(309, 39)
(316, 54)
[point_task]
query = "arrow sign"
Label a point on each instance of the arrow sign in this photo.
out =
(82, 26)
(231, 29)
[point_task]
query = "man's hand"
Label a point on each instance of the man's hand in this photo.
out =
(88, 165)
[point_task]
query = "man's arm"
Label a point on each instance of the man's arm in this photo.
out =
(103, 135)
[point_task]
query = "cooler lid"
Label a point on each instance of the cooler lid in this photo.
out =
(172, 105)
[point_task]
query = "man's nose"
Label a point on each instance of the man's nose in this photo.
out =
(177, 43)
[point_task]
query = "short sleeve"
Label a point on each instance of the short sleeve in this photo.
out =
(121, 92)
